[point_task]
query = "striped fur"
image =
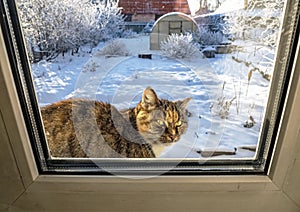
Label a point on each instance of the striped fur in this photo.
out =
(83, 128)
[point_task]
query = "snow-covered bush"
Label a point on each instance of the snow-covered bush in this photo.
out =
(207, 37)
(258, 26)
(110, 21)
(179, 46)
(114, 48)
(53, 27)
(259, 22)
(128, 33)
(212, 23)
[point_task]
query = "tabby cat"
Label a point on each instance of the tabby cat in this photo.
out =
(83, 128)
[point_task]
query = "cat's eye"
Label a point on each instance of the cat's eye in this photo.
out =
(82, 81)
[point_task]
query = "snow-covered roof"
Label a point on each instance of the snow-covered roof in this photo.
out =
(183, 15)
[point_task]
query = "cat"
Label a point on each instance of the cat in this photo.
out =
(80, 128)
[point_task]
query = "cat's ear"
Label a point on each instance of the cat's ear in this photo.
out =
(149, 99)
(182, 104)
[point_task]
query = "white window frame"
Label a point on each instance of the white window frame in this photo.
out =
(23, 188)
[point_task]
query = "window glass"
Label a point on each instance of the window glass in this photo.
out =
(161, 86)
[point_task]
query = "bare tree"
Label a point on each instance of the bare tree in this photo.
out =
(52, 27)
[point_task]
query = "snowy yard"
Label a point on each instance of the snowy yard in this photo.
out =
(224, 97)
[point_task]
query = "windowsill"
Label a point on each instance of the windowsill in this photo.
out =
(190, 183)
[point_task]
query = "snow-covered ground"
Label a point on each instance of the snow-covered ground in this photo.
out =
(121, 80)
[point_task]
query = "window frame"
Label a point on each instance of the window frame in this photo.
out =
(24, 188)
(276, 191)
(31, 109)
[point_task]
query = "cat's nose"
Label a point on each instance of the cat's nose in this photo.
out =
(174, 138)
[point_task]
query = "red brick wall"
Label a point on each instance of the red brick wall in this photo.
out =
(159, 7)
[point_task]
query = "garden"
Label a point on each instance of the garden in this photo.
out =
(82, 50)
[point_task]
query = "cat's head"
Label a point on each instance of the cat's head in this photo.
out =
(160, 120)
